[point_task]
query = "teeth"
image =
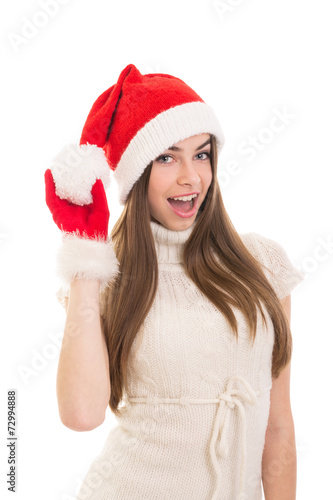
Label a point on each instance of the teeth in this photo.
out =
(185, 198)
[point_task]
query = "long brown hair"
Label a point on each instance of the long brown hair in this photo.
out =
(214, 257)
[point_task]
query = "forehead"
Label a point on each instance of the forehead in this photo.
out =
(195, 141)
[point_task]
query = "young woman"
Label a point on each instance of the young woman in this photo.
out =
(176, 322)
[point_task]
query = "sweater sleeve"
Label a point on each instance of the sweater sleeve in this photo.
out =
(279, 270)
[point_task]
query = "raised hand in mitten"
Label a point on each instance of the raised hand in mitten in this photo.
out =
(75, 195)
(87, 221)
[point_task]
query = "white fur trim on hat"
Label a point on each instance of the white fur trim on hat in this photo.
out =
(87, 259)
(167, 128)
(75, 170)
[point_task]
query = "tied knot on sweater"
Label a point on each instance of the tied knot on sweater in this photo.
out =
(231, 400)
(228, 400)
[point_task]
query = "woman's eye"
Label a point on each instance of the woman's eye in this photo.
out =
(204, 156)
(162, 158)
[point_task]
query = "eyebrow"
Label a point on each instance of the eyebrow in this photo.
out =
(175, 148)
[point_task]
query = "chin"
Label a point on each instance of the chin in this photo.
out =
(174, 224)
(181, 225)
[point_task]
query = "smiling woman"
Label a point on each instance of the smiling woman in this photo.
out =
(178, 322)
(178, 187)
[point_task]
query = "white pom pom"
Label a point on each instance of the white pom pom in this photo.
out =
(75, 170)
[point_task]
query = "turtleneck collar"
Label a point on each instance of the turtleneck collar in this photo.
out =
(168, 243)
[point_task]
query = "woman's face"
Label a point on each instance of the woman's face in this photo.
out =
(182, 170)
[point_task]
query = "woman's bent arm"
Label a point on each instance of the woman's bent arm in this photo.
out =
(83, 383)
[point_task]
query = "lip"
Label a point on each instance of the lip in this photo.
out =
(185, 215)
(185, 194)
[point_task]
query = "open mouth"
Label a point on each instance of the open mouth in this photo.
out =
(181, 205)
(184, 206)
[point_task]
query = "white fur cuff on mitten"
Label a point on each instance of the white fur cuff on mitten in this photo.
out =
(86, 259)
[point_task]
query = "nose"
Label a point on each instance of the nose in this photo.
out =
(188, 174)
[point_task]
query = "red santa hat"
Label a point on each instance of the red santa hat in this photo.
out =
(128, 126)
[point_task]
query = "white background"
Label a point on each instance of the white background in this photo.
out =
(247, 59)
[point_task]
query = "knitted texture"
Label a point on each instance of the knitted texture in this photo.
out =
(194, 420)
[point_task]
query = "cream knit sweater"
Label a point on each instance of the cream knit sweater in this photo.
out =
(193, 423)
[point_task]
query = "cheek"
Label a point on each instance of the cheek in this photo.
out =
(159, 181)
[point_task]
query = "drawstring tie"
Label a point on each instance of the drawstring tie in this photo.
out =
(229, 400)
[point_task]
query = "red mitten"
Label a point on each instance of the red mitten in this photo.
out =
(88, 221)
(75, 195)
